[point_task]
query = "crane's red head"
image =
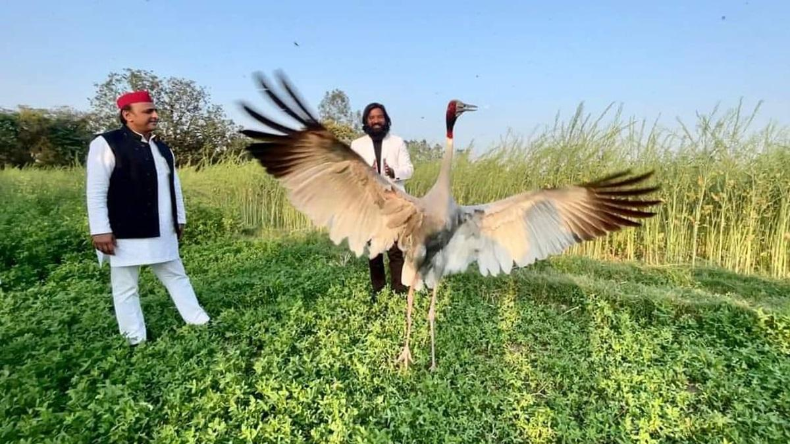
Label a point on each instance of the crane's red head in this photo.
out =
(454, 109)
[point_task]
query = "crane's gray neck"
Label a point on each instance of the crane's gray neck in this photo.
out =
(444, 181)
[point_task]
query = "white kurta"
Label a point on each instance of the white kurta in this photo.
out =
(100, 164)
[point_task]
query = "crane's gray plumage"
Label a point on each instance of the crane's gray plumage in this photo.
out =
(333, 186)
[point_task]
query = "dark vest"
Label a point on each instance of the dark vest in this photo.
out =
(132, 198)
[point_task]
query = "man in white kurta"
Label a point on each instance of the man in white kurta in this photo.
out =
(387, 154)
(126, 255)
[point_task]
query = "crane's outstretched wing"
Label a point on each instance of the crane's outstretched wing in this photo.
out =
(327, 181)
(534, 225)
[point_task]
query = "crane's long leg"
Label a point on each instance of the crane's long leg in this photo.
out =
(405, 355)
(431, 317)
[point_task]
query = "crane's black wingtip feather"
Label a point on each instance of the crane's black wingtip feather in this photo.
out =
(614, 184)
(605, 179)
(260, 135)
(267, 121)
(624, 182)
(295, 96)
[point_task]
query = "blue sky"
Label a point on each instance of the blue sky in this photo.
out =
(520, 62)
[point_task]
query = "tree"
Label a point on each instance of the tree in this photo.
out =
(12, 152)
(335, 106)
(44, 137)
(62, 139)
(195, 129)
(422, 151)
(335, 113)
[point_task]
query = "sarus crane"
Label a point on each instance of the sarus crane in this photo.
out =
(337, 190)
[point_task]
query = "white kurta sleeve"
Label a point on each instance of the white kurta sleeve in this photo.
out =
(404, 169)
(181, 212)
(100, 164)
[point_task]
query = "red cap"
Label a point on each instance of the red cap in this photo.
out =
(133, 97)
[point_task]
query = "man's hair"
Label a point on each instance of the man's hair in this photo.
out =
(366, 113)
(120, 113)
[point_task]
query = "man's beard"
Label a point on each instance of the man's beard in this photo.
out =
(376, 132)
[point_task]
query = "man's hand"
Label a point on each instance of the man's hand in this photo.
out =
(388, 171)
(180, 231)
(105, 243)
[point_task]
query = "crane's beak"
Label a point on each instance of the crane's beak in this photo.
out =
(464, 107)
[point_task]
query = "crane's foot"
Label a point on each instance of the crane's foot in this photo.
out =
(433, 367)
(405, 358)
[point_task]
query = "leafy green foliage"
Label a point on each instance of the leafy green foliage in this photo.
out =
(42, 224)
(568, 350)
(43, 221)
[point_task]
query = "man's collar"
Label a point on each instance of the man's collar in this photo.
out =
(142, 138)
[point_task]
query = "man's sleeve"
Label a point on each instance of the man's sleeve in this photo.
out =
(180, 209)
(405, 168)
(100, 164)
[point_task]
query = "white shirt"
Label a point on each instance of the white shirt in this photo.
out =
(393, 151)
(100, 165)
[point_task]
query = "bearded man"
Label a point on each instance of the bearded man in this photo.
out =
(387, 154)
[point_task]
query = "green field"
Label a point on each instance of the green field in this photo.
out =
(622, 340)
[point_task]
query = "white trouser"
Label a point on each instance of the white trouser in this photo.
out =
(127, 299)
